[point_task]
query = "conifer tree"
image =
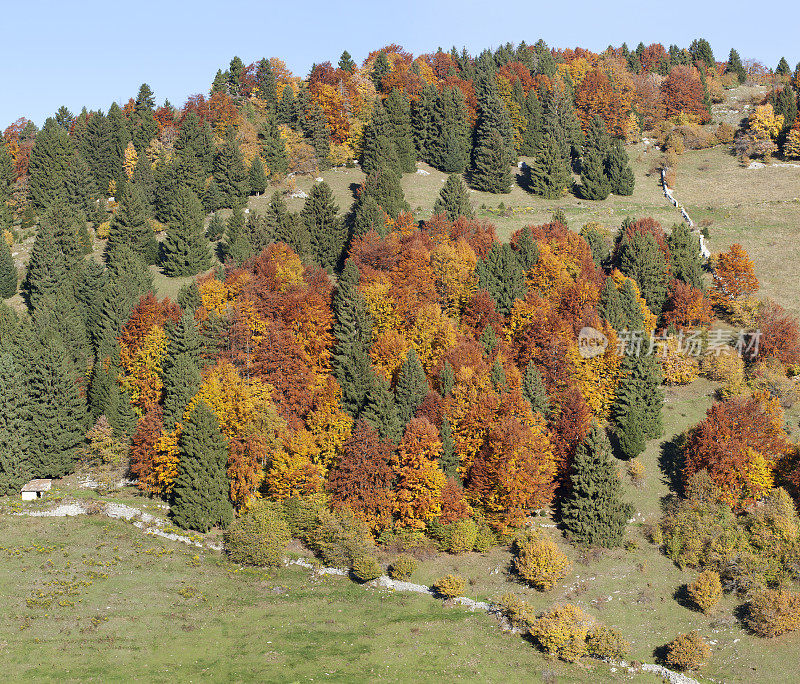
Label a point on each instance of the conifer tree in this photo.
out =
(534, 124)
(493, 153)
(57, 410)
(230, 172)
(594, 512)
(549, 173)
(7, 178)
(326, 230)
(62, 315)
(446, 379)
(8, 271)
(196, 140)
(273, 148)
(449, 462)
(285, 113)
(266, 83)
(181, 383)
(449, 132)
(380, 410)
(488, 340)
(257, 176)
(15, 468)
(48, 165)
(107, 398)
(453, 200)
(637, 407)
(185, 248)
(200, 495)
(287, 227)
(365, 216)
(501, 275)
(380, 68)
(47, 271)
(377, 149)
(352, 331)
(319, 135)
(216, 227)
(412, 387)
(346, 62)
(184, 336)
(498, 377)
(610, 306)
(422, 123)
(142, 121)
(533, 389)
(735, 66)
(130, 228)
(685, 259)
(398, 113)
(783, 68)
(619, 171)
(595, 183)
(640, 258)
(527, 250)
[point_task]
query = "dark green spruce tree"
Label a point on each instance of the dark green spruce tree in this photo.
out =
(398, 112)
(534, 391)
(594, 513)
(500, 274)
(493, 153)
(257, 177)
(8, 271)
(130, 228)
(637, 407)
(549, 175)
(640, 258)
(735, 66)
(412, 387)
(200, 497)
(449, 461)
(326, 230)
(15, 468)
(595, 183)
(185, 250)
(619, 171)
(48, 165)
(380, 410)
(230, 172)
(453, 200)
(685, 260)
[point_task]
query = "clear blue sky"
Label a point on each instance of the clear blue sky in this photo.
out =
(92, 53)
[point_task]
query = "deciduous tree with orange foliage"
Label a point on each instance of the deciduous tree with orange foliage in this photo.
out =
(734, 277)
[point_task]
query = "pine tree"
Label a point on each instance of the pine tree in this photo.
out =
(422, 123)
(266, 83)
(181, 383)
(449, 462)
(619, 171)
(57, 410)
(273, 147)
(47, 271)
(184, 336)
(637, 408)
(48, 165)
(493, 153)
(595, 183)
(398, 113)
(185, 250)
(287, 227)
(735, 66)
(257, 177)
(498, 377)
(352, 332)
(346, 62)
(107, 398)
(285, 113)
(641, 259)
(447, 379)
(533, 389)
(534, 124)
(326, 230)
(380, 410)
(412, 387)
(501, 275)
(453, 200)
(488, 340)
(130, 228)
(142, 121)
(783, 68)
(685, 260)
(319, 135)
(549, 173)
(63, 315)
(15, 467)
(216, 227)
(594, 512)
(200, 495)
(377, 149)
(380, 68)
(230, 172)
(527, 249)
(8, 270)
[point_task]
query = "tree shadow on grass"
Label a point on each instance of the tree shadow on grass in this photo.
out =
(670, 460)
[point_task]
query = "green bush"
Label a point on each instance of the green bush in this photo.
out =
(302, 515)
(607, 643)
(539, 561)
(463, 535)
(687, 651)
(485, 539)
(450, 586)
(366, 568)
(402, 567)
(340, 538)
(772, 612)
(518, 611)
(259, 536)
(706, 590)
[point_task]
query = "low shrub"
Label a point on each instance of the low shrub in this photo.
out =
(259, 536)
(606, 643)
(687, 651)
(340, 538)
(706, 590)
(450, 586)
(485, 539)
(539, 561)
(366, 568)
(772, 612)
(462, 536)
(562, 632)
(302, 514)
(518, 611)
(402, 567)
